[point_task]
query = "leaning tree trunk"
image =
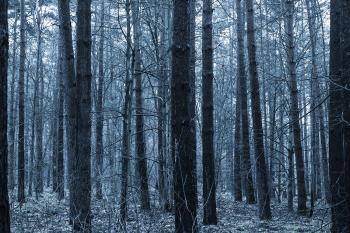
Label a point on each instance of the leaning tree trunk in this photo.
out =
(261, 168)
(183, 130)
(99, 109)
(140, 137)
(4, 47)
(289, 4)
(246, 163)
(209, 186)
(21, 162)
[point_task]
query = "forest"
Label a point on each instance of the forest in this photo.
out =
(186, 116)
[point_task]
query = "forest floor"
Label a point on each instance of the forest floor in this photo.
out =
(51, 216)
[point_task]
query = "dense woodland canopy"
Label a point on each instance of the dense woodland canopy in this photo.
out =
(174, 116)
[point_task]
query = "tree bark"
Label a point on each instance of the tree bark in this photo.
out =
(13, 109)
(126, 121)
(261, 168)
(289, 4)
(59, 160)
(39, 185)
(246, 163)
(183, 130)
(99, 109)
(345, 76)
(4, 47)
(336, 156)
(140, 137)
(209, 185)
(21, 162)
(82, 157)
(70, 95)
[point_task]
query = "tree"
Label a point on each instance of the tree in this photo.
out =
(245, 158)
(209, 186)
(336, 153)
(82, 164)
(99, 108)
(70, 95)
(59, 160)
(4, 47)
(345, 76)
(293, 90)
(140, 137)
(21, 162)
(183, 132)
(126, 121)
(39, 187)
(261, 168)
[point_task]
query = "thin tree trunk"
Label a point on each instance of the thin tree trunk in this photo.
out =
(289, 4)
(99, 109)
(140, 137)
(21, 142)
(238, 147)
(290, 173)
(246, 163)
(161, 105)
(59, 160)
(261, 168)
(13, 109)
(39, 185)
(4, 48)
(126, 121)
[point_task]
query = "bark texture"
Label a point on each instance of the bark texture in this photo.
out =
(209, 185)
(4, 48)
(183, 130)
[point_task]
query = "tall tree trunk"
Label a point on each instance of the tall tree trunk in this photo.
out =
(261, 168)
(31, 168)
(21, 142)
(99, 109)
(183, 130)
(311, 6)
(59, 160)
(289, 4)
(238, 147)
(336, 156)
(345, 75)
(290, 172)
(70, 95)
(246, 163)
(13, 109)
(161, 108)
(140, 137)
(39, 185)
(126, 121)
(4, 47)
(209, 186)
(82, 163)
